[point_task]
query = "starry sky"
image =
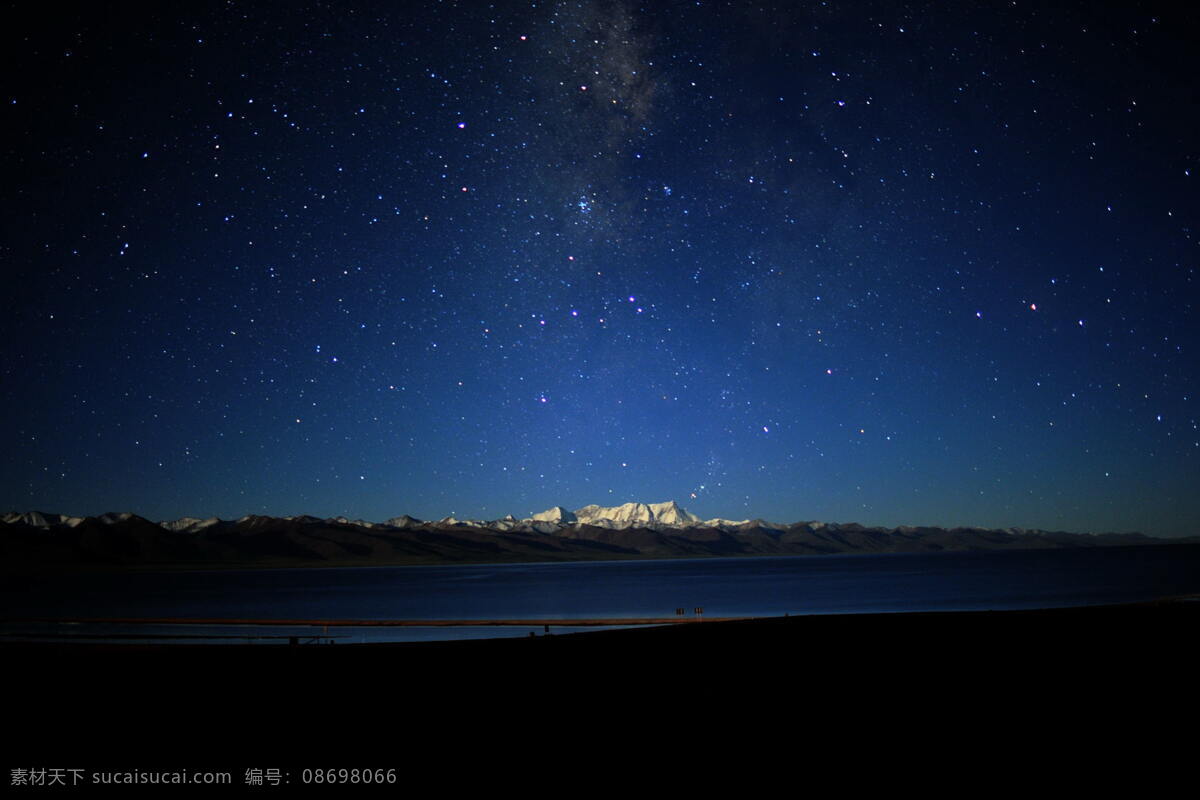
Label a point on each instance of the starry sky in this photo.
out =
(924, 263)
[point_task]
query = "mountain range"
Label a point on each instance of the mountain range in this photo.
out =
(632, 530)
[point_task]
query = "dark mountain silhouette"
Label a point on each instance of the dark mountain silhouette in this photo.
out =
(31, 540)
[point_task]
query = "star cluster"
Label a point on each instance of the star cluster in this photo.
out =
(919, 264)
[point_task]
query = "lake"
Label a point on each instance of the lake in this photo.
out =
(723, 587)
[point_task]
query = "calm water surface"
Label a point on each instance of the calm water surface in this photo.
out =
(763, 586)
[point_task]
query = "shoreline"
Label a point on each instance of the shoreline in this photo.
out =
(1106, 621)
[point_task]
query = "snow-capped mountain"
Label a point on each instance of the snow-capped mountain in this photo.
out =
(656, 530)
(717, 522)
(507, 524)
(667, 518)
(628, 515)
(403, 521)
(557, 514)
(36, 519)
(190, 524)
(636, 514)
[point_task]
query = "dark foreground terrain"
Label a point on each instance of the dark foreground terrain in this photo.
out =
(770, 686)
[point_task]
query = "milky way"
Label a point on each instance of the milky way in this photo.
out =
(847, 261)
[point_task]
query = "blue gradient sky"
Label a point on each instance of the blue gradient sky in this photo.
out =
(846, 261)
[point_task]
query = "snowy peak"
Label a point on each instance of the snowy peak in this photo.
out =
(189, 524)
(557, 514)
(403, 521)
(671, 514)
(629, 514)
(718, 522)
(651, 515)
(358, 523)
(36, 519)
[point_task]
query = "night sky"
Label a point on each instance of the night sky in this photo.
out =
(874, 262)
